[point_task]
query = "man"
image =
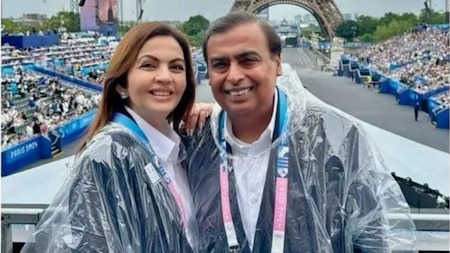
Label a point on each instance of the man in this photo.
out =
(277, 170)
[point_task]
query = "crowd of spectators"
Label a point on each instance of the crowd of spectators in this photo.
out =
(33, 103)
(444, 99)
(419, 58)
(82, 58)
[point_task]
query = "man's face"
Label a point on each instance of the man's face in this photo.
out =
(242, 72)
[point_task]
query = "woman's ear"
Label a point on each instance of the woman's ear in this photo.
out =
(122, 91)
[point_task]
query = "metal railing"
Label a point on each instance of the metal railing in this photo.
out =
(432, 226)
(18, 215)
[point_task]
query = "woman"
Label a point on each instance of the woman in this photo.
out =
(128, 191)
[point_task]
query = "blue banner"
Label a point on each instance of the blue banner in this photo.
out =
(442, 118)
(71, 79)
(40, 147)
(35, 41)
(76, 128)
(8, 69)
(23, 150)
(25, 153)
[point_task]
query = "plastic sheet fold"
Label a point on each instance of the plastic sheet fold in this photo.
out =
(340, 192)
(110, 203)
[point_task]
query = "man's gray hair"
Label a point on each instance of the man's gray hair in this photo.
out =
(233, 19)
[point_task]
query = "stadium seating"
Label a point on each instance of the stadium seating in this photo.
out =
(413, 67)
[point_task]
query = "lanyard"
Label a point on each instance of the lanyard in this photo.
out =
(134, 128)
(281, 183)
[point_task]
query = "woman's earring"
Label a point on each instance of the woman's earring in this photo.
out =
(123, 95)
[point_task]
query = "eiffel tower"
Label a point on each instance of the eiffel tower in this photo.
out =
(325, 11)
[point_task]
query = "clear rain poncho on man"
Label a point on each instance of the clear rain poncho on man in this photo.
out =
(339, 192)
(113, 201)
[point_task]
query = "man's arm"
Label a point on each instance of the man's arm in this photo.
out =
(373, 194)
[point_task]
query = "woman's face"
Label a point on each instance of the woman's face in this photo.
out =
(157, 80)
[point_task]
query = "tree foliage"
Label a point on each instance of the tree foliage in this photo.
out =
(67, 19)
(194, 29)
(348, 29)
(309, 30)
(371, 29)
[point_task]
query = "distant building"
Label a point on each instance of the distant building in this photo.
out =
(31, 19)
(347, 16)
(308, 18)
(34, 16)
(350, 16)
(288, 32)
(173, 23)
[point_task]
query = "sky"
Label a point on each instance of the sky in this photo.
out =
(182, 9)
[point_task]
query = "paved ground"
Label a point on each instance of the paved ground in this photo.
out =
(377, 109)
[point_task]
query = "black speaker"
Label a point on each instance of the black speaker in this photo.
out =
(82, 2)
(420, 196)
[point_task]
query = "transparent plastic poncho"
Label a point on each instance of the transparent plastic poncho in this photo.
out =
(109, 203)
(340, 194)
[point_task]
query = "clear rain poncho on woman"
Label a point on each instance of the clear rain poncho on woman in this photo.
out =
(339, 191)
(113, 201)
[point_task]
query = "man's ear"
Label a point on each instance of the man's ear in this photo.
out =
(277, 59)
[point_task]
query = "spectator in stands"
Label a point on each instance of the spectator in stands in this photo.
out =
(278, 169)
(419, 58)
(130, 162)
(36, 127)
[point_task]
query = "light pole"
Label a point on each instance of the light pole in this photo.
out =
(354, 32)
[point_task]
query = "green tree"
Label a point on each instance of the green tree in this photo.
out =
(309, 30)
(348, 30)
(195, 25)
(306, 33)
(69, 20)
(431, 17)
(9, 25)
(391, 24)
(14, 27)
(367, 37)
(194, 29)
(367, 24)
(196, 40)
(409, 17)
(388, 18)
(124, 28)
(392, 29)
